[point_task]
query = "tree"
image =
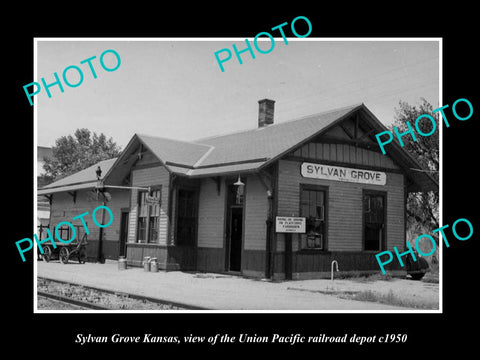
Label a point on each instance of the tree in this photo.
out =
(75, 153)
(422, 207)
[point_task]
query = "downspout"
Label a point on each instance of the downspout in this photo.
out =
(274, 214)
(168, 240)
(268, 270)
(270, 188)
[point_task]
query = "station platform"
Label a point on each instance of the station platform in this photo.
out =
(225, 292)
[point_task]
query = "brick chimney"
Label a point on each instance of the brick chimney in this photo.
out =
(266, 109)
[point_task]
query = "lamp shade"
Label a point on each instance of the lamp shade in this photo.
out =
(239, 182)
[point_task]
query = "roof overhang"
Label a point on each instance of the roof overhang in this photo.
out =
(417, 178)
(71, 187)
(127, 159)
(222, 170)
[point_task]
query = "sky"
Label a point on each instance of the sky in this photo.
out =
(174, 88)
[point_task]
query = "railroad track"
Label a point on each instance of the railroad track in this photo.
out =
(161, 304)
(71, 301)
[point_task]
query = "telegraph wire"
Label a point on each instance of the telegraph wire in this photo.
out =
(338, 91)
(367, 78)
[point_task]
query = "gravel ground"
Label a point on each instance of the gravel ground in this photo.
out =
(394, 291)
(101, 298)
(50, 304)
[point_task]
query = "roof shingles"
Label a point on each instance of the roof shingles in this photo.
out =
(242, 151)
(231, 152)
(82, 179)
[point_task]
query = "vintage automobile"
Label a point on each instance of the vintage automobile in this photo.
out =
(416, 269)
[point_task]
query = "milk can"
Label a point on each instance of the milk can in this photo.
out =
(146, 263)
(122, 263)
(153, 265)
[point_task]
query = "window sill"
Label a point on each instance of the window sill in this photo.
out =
(144, 244)
(312, 251)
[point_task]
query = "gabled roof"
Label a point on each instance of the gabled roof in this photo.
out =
(83, 179)
(175, 151)
(269, 141)
(252, 150)
(238, 152)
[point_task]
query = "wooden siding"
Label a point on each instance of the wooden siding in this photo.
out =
(150, 176)
(211, 214)
(137, 252)
(182, 257)
(318, 265)
(344, 208)
(343, 153)
(147, 159)
(210, 259)
(253, 261)
(256, 209)
(63, 208)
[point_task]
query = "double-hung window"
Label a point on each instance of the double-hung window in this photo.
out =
(148, 216)
(313, 208)
(374, 211)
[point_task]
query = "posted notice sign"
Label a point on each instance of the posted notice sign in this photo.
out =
(289, 224)
(152, 200)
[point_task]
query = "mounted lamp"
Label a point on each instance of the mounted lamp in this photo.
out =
(239, 182)
(240, 188)
(98, 172)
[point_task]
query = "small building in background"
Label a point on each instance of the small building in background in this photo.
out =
(43, 206)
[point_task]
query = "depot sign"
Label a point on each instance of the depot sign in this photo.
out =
(337, 173)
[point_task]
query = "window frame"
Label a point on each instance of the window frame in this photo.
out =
(325, 190)
(147, 239)
(383, 241)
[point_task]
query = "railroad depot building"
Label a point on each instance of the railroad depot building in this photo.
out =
(77, 194)
(211, 205)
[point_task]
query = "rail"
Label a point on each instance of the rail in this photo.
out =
(179, 306)
(71, 301)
